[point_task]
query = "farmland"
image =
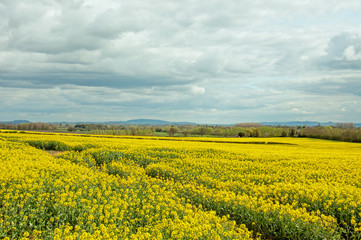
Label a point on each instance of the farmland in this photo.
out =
(63, 186)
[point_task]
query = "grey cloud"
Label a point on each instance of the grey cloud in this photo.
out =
(111, 23)
(211, 62)
(82, 57)
(49, 80)
(343, 52)
(328, 85)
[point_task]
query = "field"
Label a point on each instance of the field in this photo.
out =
(64, 186)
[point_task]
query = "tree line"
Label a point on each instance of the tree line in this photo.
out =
(341, 132)
(346, 134)
(28, 126)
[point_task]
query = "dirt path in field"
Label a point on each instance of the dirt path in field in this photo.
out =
(54, 153)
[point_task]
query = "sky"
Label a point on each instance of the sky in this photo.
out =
(205, 61)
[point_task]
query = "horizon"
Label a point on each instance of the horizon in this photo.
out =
(177, 122)
(211, 62)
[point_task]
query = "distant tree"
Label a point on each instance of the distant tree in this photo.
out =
(292, 132)
(284, 133)
(186, 132)
(256, 132)
(219, 131)
(133, 130)
(158, 129)
(249, 133)
(202, 131)
(241, 134)
(173, 130)
(209, 131)
(71, 129)
(195, 130)
(80, 125)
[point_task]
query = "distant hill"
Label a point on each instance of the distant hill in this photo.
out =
(148, 122)
(297, 123)
(136, 122)
(16, 122)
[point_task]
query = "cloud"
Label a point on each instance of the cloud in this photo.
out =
(352, 53)
(140, 59)
(343, 52)
(197, 90)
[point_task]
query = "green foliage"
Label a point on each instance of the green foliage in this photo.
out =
(173, 130)
(256, 132)
(28, 126)
(241, 134)
(249, 133)
(57, 146)
(82, 147)
(341, 132)
(284, 133)
(49, 145)
(332, 133)
(71, 129)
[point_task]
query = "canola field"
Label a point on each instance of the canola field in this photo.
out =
(64, 186)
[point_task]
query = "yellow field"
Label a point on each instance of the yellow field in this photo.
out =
(107, 187)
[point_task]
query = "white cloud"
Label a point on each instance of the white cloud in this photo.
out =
(350, 54)
(197, 90)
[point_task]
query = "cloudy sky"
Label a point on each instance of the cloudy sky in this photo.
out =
(206, 61)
